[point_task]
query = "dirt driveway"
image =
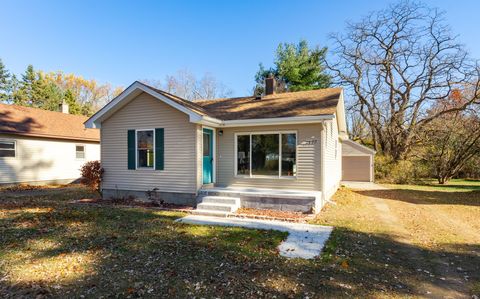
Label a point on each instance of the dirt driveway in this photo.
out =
(409, 240)
(430, 237)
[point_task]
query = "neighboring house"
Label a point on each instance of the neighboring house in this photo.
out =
(44, 147)
(279, 151)
(357, 162)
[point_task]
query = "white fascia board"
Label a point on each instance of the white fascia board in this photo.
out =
(206, 121)
(341, 118)
(277, 121)
(114, 105)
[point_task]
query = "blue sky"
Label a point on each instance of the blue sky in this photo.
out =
(119, 41)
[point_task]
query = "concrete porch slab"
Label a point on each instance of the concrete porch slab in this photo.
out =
(270, 199)
(280, 193)
(303, 241)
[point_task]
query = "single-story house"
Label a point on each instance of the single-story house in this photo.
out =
(44, 147)
(280, 151)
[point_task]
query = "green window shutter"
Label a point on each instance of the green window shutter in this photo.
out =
(159, 149)
(131, 149)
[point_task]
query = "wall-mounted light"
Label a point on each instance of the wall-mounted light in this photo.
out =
(220, 133)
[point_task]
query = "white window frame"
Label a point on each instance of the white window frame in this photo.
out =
(136, 150)
(14, 148)
(252, 176)
(84, 152)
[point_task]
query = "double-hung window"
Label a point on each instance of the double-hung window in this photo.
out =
(80, 151)
(7, 149)
(266, 154)
(145, 152)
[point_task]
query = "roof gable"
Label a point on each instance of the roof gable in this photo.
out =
(359, 147)
(135, 89)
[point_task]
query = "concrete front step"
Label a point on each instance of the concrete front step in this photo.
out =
(224, 207)
(219, 206)
(221, 199)
(210, 213)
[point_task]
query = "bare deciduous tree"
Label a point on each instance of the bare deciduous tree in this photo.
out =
(397, 63)
(357, 127)
(186, 85)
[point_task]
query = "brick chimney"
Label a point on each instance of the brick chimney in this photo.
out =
(64, 107)
(270, 85)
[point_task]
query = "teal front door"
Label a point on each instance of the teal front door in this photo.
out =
(207, 156)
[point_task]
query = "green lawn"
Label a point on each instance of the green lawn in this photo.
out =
(51, 247)
(454, 185)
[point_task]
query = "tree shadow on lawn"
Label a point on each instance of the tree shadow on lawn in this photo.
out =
(471, 198)
(451, 186)
(143, 253)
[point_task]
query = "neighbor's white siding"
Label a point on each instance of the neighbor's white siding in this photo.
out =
(146, 112)
(44, 160)
(333, 158)
(308, 159)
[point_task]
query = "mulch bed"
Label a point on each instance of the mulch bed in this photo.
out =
(272, 215)
(127, 202)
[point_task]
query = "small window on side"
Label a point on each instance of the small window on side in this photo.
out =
(80, 151)
(7, 149)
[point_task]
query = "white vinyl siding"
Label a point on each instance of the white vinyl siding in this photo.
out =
(308, 159)
(333, 159)
(144, 112)
(42, 159)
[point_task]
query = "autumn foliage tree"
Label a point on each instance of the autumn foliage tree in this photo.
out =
(47, 90)
(451, 140)
(92, 173)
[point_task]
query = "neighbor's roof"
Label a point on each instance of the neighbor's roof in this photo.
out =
(42, 123)
(289, 104)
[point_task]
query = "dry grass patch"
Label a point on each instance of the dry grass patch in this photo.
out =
(50, 247)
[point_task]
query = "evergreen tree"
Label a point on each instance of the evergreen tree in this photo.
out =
(5, 83)
(52, 96)
(73, 105)
(25, 92)
(297, 67)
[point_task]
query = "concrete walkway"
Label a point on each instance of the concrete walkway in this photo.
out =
(363, 185)
(303, 241)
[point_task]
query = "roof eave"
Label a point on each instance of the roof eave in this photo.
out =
(51, 136)
(277, 121)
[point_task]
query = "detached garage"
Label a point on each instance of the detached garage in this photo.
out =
(357, 162)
